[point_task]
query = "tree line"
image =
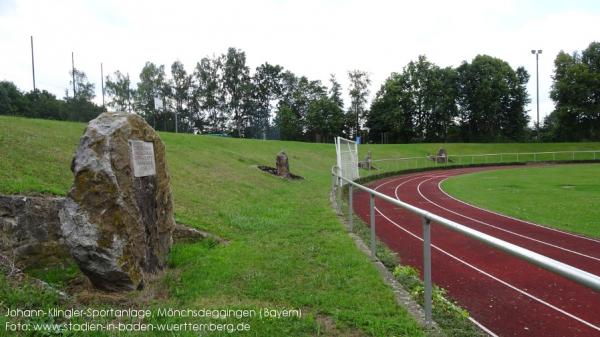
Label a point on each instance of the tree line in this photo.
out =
(576, 94)
(43, 104)
(479, 101)
(223, 96)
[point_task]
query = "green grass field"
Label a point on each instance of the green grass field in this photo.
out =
(287, 248)
(561, 196)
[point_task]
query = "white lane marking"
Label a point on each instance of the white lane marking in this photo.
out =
(509, 217)
(412, 176)
(482, 327)
(493, 277)
(406, 181)
(417, 175)
(496, 227)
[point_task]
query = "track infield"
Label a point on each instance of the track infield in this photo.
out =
(505, 295)
(564, 196)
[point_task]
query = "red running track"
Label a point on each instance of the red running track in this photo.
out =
(505, 295)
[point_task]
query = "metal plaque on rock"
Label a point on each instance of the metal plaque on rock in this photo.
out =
(142, 158)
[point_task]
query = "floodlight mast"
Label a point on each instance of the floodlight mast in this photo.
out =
(32, 64)
(73, 72)
(102, 81)
(537, 86)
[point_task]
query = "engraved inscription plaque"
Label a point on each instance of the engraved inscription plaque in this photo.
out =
(142, 157)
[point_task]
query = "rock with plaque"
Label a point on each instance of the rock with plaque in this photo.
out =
(142, 158)
(442, 156)
(283, 165)
(118, 217)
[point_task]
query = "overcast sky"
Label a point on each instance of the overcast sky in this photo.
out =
(311, 38)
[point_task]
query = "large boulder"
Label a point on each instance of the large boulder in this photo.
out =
(283, 165)
(442, 156)
(118, 217)
(367, 163)
(30, 230)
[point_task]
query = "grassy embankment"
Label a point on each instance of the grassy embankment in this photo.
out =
(286, 247)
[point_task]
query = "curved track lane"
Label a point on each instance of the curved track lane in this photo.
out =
(505, 295)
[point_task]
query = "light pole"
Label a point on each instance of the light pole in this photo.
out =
(32, 63)
(537, 87)
(102, 81)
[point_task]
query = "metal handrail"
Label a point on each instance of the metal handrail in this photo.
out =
(574, 274)
(486, 155)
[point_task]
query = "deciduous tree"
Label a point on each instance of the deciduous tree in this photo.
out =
(359, 94)
(120, 92)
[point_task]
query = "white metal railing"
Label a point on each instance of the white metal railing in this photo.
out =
(390, 164)
(580, 276)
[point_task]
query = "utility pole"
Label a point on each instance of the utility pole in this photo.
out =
(128, 94)
(102, 81)
(175, 113)
(32, 63)
(537, 85)
(73, 72)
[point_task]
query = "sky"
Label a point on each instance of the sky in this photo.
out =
(308, 37)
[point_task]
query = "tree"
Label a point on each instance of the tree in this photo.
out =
(417, 105)
(335, 92)
(515, 118)
(80, 107)
(359, 93)
(324, 120)
(120, 92)
(181, 89)
(11, 99)
(208, 78)
(297, 95)
(492, 98)
(267, 88)
(42, 104)
(235, 84)
(288, 123)
(196, 120)
(429, 97)
(576, 93)
(84, 90)
(442, 102)
(152, 80)
(388, 119)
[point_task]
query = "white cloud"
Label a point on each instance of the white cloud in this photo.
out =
(312, 38)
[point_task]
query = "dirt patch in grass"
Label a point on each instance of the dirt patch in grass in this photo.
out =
(273, 171)
(154, 289)
(330, 329)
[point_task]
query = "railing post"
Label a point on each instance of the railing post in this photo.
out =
(534, 157)
(573, 155)
(373, 243)
(350, 217)
(594, 155)
(517, 157)
(501, 157)
(427, 268)
(332, 183)
(340, 188)
(554, 156)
